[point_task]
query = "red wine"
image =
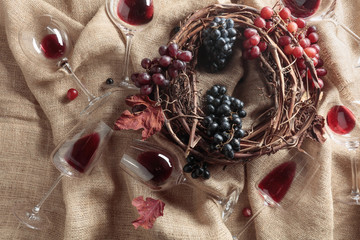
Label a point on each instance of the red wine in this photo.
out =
(159, 165)
(52, 47)
(278, 181)
(302, 8)
(83, 152)
(340, 119)
(136, 12)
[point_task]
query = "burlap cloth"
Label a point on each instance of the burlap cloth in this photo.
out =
(35, 116)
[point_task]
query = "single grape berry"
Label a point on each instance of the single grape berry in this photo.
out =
(298, 52)
(185, 56)
(162, 50)
(292, 27)
(146, 89)
(72, 93)
(246, 212)
(255, 52)
(285, 13)
(173, 50)
(109, 81)
(301, 22)
(263, 46)
(266, 12)
(165, 61)
(260, 22)
(188, 168)
(146, 63)
(144, 78)
(313, 37)
(284, 40)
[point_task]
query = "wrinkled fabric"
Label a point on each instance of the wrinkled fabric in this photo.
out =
(35, 116)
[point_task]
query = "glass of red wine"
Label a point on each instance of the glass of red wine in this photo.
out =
(318, 10)
(75, 156)
(283, 186)
(46, 41)
(160, 170)
(131, 16)
(342, 125)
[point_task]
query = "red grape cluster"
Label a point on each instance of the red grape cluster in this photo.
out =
(307, 41)
(252, 45)
(161, 70)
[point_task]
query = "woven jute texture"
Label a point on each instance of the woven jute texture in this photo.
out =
(35, 116)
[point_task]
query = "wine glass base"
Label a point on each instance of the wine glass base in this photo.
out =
(228, 204)
(348, 199)
(127, 84)
(37, 221)
(95, 103)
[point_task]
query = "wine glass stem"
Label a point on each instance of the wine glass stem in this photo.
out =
(129, 38)
(226, 204)
(89, 95)
(248, 223)
(355, 183)
(36, 209)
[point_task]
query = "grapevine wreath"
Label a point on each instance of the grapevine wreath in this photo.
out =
(292, 78)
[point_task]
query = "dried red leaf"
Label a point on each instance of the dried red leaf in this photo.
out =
(149, 116)
(149, 211)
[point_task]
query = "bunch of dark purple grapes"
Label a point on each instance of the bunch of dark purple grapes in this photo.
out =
(161, 70)
(224, 121)
(196, 167)
(219, 38)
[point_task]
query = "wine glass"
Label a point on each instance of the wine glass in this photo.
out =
(283, 186)
(160, 170)
(130, 16)
(75, 156)
(318, 10)
(342, 126)
(46, 41)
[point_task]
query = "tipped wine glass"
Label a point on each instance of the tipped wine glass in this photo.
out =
(160, 170)
(75, 156)
(46, 41)
(131, 16)
(342, 126)
(319, 10)
(283, 186)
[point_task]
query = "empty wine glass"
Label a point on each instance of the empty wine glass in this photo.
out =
(283, 186)
(75, 156)
(342, 125)
(319, 10)
(131, 16)
(46, 41)
(159, 169)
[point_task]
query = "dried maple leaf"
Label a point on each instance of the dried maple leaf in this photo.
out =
(148, 116)
(149, 210)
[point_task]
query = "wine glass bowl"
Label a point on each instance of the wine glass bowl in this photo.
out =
(342, 126)
(341, 123)
(130, 15)
(152, 165)
(309, 9)
(80, 150)
(46, 41)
